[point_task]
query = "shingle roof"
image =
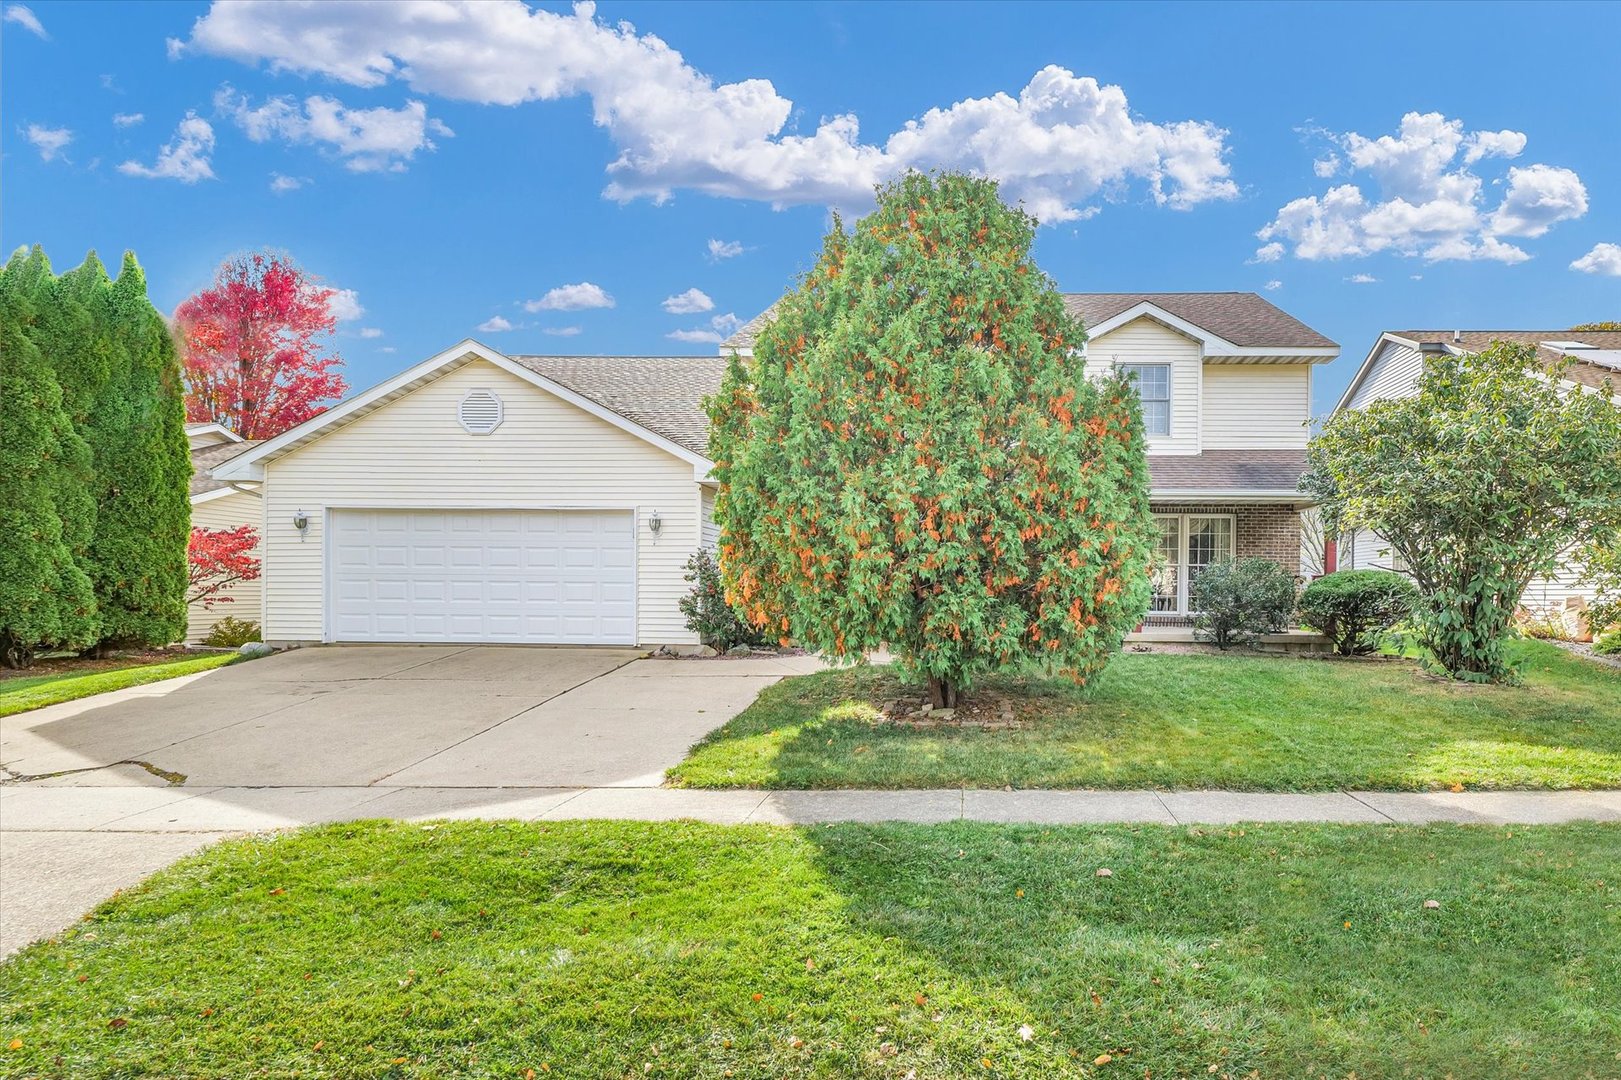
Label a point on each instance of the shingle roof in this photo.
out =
(1227, 470)
(664, 394)
(1475, 340)
(204, 459)
(1244, 318)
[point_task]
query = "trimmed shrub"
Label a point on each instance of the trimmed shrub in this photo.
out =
(708, 614)
(1608, 645)
(46, 598)
(1239, 600)
(1353, 608)
(232, 632)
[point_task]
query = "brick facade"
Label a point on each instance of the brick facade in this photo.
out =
(1267, 532)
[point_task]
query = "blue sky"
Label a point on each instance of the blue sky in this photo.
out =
(463, 165)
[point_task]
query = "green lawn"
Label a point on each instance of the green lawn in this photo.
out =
(617, 949)
(1194, 721)
(37, 691)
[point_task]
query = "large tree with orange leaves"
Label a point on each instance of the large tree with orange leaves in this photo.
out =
(914, 456)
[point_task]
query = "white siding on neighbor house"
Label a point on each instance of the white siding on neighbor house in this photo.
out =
(1144, 341)
(227, 512)
(413, 453)
(1256, 406)
(711, 531)
(1392, 374)
(1367, 550)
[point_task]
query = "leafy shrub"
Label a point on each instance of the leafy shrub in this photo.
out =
(232, 632)
(708, 614)
(1353, 608)
(1609, 645)
(1238, 601)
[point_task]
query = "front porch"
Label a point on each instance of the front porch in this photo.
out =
(1195, 534)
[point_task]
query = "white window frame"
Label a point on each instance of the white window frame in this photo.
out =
(1183, 606)
(1170, 393)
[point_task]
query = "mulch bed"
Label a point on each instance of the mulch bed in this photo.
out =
(76, 665)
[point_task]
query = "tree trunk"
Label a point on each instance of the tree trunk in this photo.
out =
(942, 693)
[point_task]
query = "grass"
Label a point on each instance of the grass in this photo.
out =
(1241, 722)
(612, 949)
(35, 692)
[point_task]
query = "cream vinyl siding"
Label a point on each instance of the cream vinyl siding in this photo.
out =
(1256, 406)
(227, 512)
(1144, 341)
(1392, 375)
(413, 453)
(711, 531)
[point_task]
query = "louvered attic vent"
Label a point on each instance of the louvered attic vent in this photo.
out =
(479, 412)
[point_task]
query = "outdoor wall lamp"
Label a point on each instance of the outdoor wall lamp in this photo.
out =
(655, 524)
(301, 522)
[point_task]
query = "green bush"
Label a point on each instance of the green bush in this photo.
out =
(708, 614)
(1353, 608)
(1609, 645)
(232, 633)
(1239, 600)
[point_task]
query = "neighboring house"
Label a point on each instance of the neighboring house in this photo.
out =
(216, 505)
(1225, 380)
(1391, 370)
(482, 497)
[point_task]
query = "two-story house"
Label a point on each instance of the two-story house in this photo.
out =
(486, 497)
(1225, 380)
(1590, 360)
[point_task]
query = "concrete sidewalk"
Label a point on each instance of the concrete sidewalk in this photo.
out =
(42, 807)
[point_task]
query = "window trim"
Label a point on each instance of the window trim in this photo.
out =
(1170, 391)
(1184, 605)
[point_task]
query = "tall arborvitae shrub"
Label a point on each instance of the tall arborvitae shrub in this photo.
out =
(137, 432)
(914, 456)
(45, 598)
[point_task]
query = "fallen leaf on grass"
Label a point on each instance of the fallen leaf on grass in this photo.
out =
(1026, 1032)
(1102, 1059)
(117, 1022)
(14, 1044)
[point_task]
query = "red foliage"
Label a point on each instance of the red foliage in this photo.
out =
(218, 559)
(251, 345)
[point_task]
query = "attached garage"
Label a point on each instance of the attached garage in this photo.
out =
(485, 498)
(541, 577)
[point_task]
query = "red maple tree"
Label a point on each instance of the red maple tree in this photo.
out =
(253, 345)
(218, 559)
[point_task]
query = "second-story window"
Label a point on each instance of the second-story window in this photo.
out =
(1154, 387)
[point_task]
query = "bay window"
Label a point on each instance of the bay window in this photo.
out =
(1187, 544)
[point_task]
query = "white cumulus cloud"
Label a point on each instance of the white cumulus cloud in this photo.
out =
(724, 249)
(688, 303)
(561, 331)
(1362, 279)
(344, 304)
(1420, 193)
(368, 140)
(1274, 285)
(495, 324)
(24, 16)
(718, 330)
(370, 332)
(578, 297)
(128, 119)
(1057, 144)
(1603, 259)
(281, 185)
(49, 141)
(185, 157)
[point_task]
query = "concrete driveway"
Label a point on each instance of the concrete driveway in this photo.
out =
(100, 792)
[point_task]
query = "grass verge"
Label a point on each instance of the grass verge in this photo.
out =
(608, 949)
(1241, 722)
(35, 692)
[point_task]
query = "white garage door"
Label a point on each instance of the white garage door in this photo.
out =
(553, 577)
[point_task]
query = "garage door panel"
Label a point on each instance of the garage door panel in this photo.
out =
(545, 577)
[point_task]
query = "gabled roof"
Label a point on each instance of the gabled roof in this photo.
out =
(204, 459)
(1466, 341)
(250, 465)
(1245, 320)
(664, 394)
(210, 433)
